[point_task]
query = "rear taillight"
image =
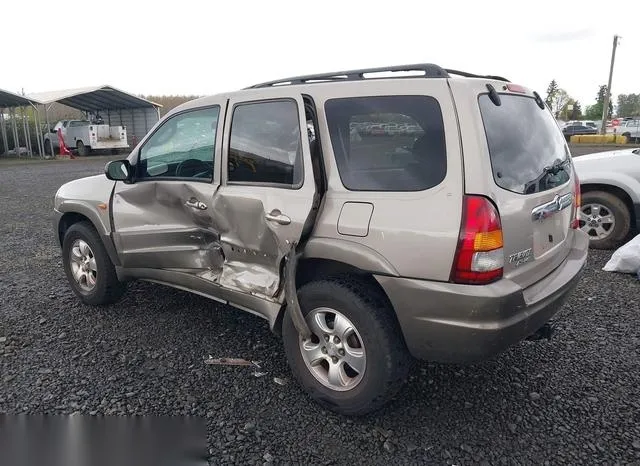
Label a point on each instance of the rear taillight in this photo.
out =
(479, 258)
(577, 201)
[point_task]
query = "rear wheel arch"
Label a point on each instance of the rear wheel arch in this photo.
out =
(312, 269)
(618, 206)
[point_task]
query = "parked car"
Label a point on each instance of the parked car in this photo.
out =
(573, 130)
(610, 184)
(362, 253)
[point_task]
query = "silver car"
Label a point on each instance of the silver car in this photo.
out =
(449, 243)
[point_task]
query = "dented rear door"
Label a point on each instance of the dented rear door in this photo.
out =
(267, 189)
(164, 219)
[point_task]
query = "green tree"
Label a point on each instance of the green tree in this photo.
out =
(594, 112)
(552, 91)
(575, 113)
(602, 92)
(628, 105)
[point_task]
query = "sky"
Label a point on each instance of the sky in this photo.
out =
(206, 47)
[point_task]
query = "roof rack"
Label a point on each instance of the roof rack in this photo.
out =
(472, 75)
(430, 71)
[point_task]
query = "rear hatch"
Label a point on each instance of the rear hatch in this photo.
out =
(532, 181)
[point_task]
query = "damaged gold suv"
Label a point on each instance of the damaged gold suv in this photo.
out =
(370, 217)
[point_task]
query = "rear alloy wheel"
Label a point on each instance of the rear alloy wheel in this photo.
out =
(356, 359)
(605, 218)
(335, 353)
(82, 149)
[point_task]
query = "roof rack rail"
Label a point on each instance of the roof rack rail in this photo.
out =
(430, 71)
(472, 75)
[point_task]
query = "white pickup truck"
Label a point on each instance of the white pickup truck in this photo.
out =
(85, 136)
(629, 128)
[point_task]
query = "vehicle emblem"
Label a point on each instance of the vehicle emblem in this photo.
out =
(520, 257)
(556, 205)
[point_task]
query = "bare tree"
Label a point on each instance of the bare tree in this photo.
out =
(561, 100)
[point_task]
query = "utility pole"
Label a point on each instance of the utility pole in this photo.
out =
(607, 96)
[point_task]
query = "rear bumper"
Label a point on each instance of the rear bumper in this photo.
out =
(458, 323)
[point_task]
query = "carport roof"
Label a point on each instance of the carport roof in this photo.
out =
(9, 99)
(94, 98)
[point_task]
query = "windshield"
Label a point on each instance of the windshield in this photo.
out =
(526, 147)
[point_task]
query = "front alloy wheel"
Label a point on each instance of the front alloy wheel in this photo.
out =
(87, 265)
(605, 218)
(597, 221)
(83, 265)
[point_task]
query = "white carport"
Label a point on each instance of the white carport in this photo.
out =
(115, 106)
(10, 103)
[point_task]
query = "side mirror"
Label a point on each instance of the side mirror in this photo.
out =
(118, 170)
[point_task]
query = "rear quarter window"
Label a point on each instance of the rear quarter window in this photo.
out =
(388, 143)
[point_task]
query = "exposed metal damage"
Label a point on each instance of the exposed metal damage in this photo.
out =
(226, 241)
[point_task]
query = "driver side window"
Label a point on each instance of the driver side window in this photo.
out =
(183, 147)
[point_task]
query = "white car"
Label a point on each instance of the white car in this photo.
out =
(610, 187)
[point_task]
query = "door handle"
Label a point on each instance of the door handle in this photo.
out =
(278, 217)
(196, 204)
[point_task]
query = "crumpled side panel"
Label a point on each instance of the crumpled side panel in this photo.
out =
(156, 229)
(250, 245)
(247, 277)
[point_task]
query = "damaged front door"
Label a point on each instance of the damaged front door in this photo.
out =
(267, 192)
(163, 218)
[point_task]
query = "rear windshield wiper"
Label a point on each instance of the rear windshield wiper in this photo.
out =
(533, 186)
(555, 167)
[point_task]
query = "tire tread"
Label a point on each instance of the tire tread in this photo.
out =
(381, 313)
(110, 289)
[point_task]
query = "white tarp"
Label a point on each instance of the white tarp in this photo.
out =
(626, 259)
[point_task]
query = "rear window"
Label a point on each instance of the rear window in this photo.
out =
(388, 143)
(523, 139)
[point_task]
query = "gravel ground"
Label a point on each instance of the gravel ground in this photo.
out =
(575, 399)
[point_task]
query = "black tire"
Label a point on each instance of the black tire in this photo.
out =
(388, 360)
(620, 213)
(82, 149)
(108, 289)
(47, 147)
